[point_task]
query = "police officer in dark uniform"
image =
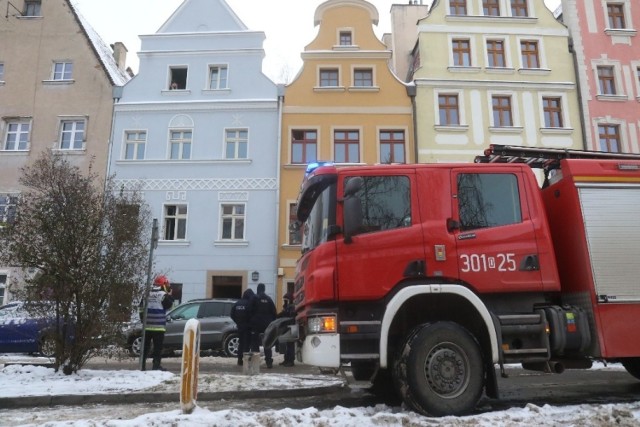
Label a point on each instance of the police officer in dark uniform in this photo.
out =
(263, 312)
(241, 314)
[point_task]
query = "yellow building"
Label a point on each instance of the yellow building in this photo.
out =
(345, 106)
(493, 72)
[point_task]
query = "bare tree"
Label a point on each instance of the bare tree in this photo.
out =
(89, 246)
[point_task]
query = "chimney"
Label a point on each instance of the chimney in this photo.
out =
(120, 54)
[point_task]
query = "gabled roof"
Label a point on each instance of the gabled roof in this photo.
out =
(202, 16)
(117, 76)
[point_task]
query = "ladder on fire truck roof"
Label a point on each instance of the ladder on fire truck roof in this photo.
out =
(546, 158)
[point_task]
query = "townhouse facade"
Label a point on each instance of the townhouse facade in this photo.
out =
(196, 132)
(607, 51)
(344, 106)
(57, 80)
(492, 72)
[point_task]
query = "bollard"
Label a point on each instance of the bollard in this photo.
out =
(190, 365)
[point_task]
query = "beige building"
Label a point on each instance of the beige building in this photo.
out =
(493, 72)
(57, 80)
(344, 106)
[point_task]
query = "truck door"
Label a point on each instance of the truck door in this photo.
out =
(389, 244)
(495, 238)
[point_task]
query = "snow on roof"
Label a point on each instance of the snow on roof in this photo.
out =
(117, 76)
(557, 12)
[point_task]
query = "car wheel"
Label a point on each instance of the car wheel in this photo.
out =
(48, 345)
(135, 345)
(231, 345)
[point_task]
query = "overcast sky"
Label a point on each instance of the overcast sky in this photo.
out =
(288, 24)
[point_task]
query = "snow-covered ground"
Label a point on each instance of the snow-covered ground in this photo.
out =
(16, 380)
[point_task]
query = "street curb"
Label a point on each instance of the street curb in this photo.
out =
(147, 397)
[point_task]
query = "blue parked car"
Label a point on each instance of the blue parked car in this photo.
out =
(20, 332)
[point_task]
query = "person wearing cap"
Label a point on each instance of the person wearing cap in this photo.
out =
(160, 300)
(263, 312)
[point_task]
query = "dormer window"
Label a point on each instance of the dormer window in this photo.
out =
(178, 78)
(346, 38)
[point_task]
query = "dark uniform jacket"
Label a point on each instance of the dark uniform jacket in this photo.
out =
(263, 312)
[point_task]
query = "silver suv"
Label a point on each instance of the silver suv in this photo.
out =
(218, 332)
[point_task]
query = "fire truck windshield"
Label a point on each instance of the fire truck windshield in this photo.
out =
(315, 229)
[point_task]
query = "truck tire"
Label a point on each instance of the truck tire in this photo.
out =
(632, 366)
(440, 370)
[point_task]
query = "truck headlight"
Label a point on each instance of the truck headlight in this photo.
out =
(322, 324)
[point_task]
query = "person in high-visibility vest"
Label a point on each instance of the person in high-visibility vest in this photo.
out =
(160, 300)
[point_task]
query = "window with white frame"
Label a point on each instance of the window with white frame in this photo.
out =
(175, 222)
(71, 135)
(502, 114)
(17, 135)
(346, 146)
(295, 227)
(346, 38)
(609, 138)
(134, 145)
(178, 78)
(32, 8)
(606, 80)
(448, 109)
(363, 77)
(615, 13)
(458, 7)
(232, 217)
(1, 71)
(8, 206)
(496, 56)
(491, 7)
(62, 70)
(180, 144)
(530, 54)
(236, 142)
(519, 8)
(218, 76)
(461, 50)
(304, 146)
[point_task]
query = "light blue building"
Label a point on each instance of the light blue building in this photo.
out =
(197, 131)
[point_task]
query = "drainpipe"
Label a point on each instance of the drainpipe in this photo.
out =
(116, 92)
(411, 91)
(583, 117)
(279, 154)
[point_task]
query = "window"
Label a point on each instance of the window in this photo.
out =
(62, 70)
(458, 7)
(295, 231)
(529, 52)
(177, 78)
(386, 203)
(488, 200)
(552, 107)
(363, 77)
(72, 135)
(3, 287)
(32, 8)
(491, 7)
(232, 222)
(218, 77)
(519, 8)
(175, 222)
(461, 53)
(304, 145)
(346, 146)
(8, 205)
(615, 11)
(448, 110)
(345, 38)
(329, 77)
(609, 138)
(180, 145)
(502, 111)
(392, 146)
(1, 72)
(236, 141)
(606, 80)
(135, 145)
(16, 137)
(495, 53)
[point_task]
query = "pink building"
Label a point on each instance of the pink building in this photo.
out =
(607, 51)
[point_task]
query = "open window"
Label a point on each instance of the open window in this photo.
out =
(178, 78)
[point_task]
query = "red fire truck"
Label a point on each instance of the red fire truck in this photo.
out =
(425, 278)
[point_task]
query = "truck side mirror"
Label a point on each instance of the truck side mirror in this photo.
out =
(352, 208)
(452, 224)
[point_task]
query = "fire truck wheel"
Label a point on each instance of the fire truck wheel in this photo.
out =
(632, 366)
(440, 370)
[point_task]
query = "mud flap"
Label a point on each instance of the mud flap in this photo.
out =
(275, 329)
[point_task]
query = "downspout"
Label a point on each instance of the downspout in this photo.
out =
(411, 92)
(116, 92)
(279, 154)
(583, 117)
